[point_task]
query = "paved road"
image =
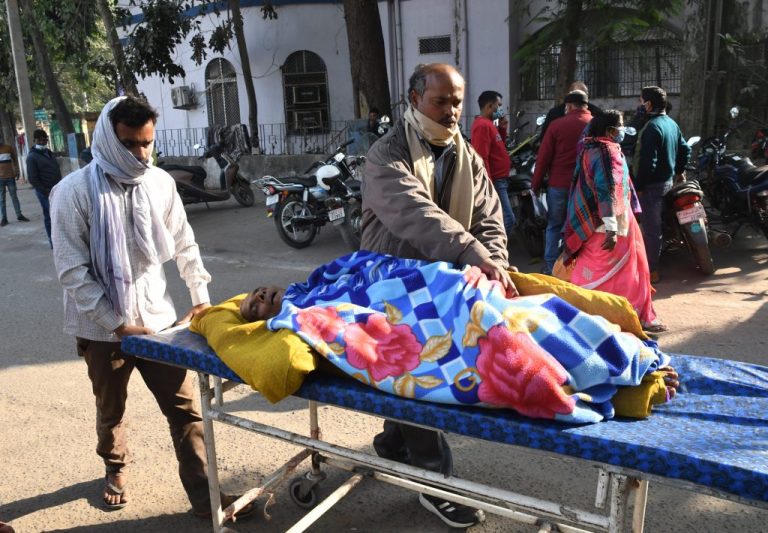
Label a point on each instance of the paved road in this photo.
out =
(49, 473)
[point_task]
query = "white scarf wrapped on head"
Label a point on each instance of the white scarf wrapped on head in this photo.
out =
(113, 162)
(462, 189)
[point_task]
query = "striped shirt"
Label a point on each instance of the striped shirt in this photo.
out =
(87, 312)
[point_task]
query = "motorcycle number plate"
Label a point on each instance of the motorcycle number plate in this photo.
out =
(272, 199)
(336, 215)
(691, 214)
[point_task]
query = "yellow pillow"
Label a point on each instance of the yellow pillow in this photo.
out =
(272, 362)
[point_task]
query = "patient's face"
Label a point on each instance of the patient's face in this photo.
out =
(262, 303)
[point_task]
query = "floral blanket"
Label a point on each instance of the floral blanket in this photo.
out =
(431, 331)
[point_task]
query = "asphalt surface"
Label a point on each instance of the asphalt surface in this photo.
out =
(50, 476)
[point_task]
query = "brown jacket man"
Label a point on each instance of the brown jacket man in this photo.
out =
(9, 163)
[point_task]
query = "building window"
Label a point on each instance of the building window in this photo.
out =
(435, 45)
(221, 89)
(305, 83)
(615, 71)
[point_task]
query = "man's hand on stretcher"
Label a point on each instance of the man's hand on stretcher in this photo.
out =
(496, 273)
(125, 330)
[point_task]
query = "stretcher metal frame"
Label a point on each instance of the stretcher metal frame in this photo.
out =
(617, 488)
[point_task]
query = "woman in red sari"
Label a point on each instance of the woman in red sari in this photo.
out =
(604, 247)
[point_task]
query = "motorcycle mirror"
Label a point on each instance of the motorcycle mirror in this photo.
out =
(734, 112)
(630, 131)
(540, 120)
(385, 119)
(693, 140)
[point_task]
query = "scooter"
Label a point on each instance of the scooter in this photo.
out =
(190, 179)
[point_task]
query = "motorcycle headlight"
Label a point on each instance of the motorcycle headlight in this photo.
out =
(762, 194)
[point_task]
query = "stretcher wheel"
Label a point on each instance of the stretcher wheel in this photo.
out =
(303, 492)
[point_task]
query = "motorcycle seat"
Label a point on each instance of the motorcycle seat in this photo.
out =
(684, 187)
(307, 180)
(748, 176)
(519, 182)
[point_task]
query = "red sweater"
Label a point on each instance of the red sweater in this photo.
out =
(557, 153)
(489, 144)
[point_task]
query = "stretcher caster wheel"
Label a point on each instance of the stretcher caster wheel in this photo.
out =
(303, 492)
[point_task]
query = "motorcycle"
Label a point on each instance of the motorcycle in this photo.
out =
(190, 179)
(327, 192)
(685, 221)
(736, 189)
(530, 213)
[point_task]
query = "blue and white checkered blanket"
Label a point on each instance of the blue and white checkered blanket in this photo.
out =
(435, 332)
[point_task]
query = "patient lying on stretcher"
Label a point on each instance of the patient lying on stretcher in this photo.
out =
(434, 332)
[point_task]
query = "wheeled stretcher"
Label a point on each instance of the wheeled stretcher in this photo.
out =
(712, 438)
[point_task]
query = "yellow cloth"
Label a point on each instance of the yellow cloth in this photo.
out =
(615, 309)
(637, 402)
(462, 192)
(272, 362)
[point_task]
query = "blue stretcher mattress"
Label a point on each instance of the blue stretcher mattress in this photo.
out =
(714, 433)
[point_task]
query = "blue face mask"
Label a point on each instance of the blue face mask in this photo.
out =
(619, 134)
(497, 115)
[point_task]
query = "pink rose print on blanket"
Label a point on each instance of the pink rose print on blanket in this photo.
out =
(517, 373)
(382, 348)
(320, 322)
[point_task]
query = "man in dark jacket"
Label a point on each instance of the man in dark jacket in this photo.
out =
(660, 155)
(43, 173)
(557, 158)
(559, 110)
(427, 195)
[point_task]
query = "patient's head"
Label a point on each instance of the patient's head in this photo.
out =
(262, 303)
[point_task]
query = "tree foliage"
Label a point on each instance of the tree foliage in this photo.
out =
(590, 24)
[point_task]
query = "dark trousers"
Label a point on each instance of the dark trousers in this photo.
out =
(43, 198)
(425, 448)
(109, 370)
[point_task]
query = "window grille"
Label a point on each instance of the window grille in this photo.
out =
(435, 45)
(620, 70)
(305, 86)
(221, 90)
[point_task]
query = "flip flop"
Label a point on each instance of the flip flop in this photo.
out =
(115, 490)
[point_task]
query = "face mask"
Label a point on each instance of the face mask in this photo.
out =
(41, 146)
(497, 115)
(619, 134)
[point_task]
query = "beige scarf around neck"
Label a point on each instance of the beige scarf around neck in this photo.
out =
(419, 126)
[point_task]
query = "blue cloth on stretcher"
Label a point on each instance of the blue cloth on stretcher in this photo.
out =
(714, 433)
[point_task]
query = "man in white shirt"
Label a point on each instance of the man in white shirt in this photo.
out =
(115, 222)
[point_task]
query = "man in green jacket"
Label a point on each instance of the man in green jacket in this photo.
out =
(660, 157)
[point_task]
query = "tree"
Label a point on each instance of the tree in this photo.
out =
(591, 24)
(168, 23)
(126, 77)
(44, 68)
(367, 60)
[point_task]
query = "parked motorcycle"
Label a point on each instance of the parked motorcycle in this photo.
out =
(327, 192)
(190, 179)
(685, 221)
(736, 189)
(530, 213)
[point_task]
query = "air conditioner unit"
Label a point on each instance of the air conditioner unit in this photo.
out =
(183, 97)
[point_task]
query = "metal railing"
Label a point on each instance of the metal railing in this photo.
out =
(274, 139)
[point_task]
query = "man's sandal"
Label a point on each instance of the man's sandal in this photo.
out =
(118, 491)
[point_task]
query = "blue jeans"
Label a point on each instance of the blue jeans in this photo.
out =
(652, 203)
(501, 185)
(557, 208)
(10, 184)
(46, 213)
